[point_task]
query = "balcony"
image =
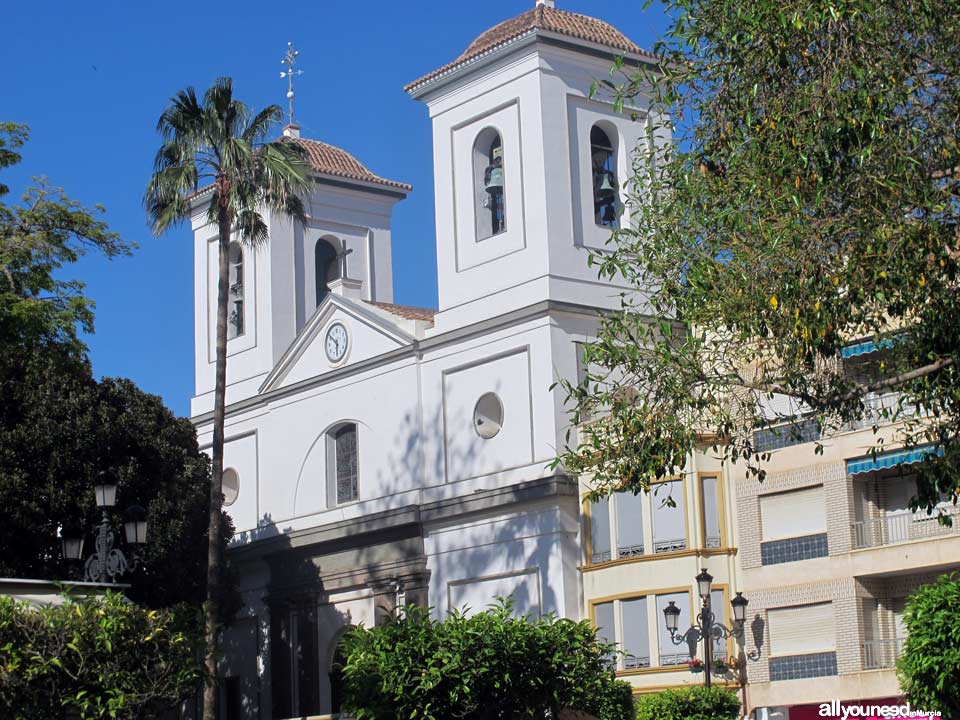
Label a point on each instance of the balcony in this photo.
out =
(881, 410)
(880, 654)
(901, 527)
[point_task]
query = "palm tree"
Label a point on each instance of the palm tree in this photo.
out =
(220, 143)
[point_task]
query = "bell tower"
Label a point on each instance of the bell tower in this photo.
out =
(529, 169)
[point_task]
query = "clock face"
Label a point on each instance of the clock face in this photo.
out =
(336, 343)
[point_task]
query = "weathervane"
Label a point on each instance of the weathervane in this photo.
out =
(290, 60)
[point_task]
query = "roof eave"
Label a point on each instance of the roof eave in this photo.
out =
(392, 187)
(421, 88)
(418, 89)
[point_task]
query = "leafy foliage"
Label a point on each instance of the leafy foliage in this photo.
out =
(692, 703)
(801, 190)
(45, 231)
(490, 665)
(96, 658)
(58, 429)
(929, 668)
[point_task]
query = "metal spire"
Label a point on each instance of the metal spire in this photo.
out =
(290, 60)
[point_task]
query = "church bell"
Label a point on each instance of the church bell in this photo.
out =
(493, 176)
(604, 184)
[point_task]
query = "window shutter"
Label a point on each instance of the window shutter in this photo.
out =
(793, 514)
(801, 630)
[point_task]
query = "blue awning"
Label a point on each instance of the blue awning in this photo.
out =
(862, 348)
(891, 459)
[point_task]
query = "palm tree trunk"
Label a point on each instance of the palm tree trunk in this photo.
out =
(214, 552)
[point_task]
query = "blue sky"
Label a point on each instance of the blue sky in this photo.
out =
(91, 78)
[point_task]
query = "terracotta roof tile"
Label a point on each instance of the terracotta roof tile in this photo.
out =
(545, 18)
(406, 311)
(332, 160)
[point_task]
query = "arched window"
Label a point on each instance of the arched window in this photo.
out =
(489, 180)
(342, 464)
(235, 299)
(326, 267)
(602, 155)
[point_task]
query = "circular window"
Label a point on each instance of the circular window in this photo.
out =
(230, 486)
(488, 416)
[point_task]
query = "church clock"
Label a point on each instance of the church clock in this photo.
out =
(336, 342)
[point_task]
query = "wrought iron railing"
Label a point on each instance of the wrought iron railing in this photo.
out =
(629, 551)
(674, 659)
(881, 653)
(635, 662)
(664, 546)
(904, 526)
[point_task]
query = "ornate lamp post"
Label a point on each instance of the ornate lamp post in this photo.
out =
(108, 562)
(707, 628)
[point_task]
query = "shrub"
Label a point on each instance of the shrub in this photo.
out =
(96, 658)
(929, 668)
(692, 703)
(484, 667)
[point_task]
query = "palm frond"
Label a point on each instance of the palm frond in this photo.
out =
(261, 124)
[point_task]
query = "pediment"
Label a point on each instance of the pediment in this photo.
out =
(369, 334)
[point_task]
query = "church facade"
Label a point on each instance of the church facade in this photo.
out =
(378, 454)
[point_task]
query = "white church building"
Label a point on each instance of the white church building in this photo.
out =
(380, 454)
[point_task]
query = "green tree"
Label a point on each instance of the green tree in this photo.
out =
(809, 196)
(37, 237)
(483, 667)
(59, 428)
(692, 703)
(929, 668)
(96, 658)
(219, 141)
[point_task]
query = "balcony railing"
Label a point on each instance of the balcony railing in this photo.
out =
(665, 546)
(635, 662)
(903, 527)
(883, 409)
(881, 653)
(674, 659)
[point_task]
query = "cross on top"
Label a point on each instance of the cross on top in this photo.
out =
(290, 60)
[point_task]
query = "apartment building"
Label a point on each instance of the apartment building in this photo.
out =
(828, 552)
(826, 549)
(642, 552)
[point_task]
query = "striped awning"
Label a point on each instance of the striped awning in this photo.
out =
(865, 347)
(891, 459)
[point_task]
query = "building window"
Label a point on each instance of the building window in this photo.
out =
(603, 159)
(230, 486)
(793, 526)
(326, 268)
(671, 654)
(488, 416)
(235, 292)
(669, 517)
(625, 623)
(802, 642)
(343, 463)
(489, 184)
(710, 512)
(600, 531)
(718, 607)
(624, 525)
(629, 525)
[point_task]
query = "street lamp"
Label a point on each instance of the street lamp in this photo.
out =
(108, 562)
(706, 629)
